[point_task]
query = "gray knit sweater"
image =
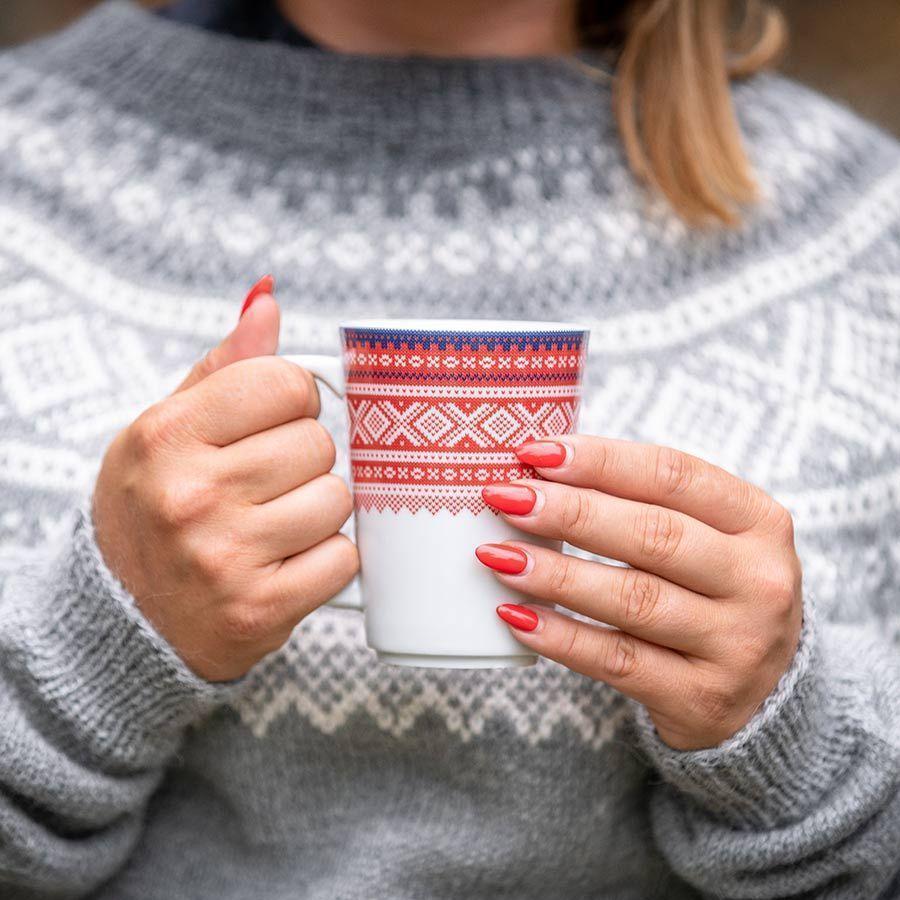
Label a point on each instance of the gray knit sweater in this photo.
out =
(149, 173)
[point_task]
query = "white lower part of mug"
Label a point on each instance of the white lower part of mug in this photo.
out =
(427, 599)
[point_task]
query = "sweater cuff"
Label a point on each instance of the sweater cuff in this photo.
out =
(96, 664)
(781, 763)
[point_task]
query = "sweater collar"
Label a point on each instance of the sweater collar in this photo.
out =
(278, 98)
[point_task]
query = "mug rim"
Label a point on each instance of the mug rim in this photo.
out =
(462, 326)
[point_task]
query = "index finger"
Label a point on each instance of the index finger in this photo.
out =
(245, 398)
(651, 474)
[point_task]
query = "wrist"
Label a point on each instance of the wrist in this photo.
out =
(781, 761)
(99, 667)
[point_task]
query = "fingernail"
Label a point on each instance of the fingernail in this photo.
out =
(543, 454)
(265, 285)
(518, 616)
(515, 499)
(502, 558)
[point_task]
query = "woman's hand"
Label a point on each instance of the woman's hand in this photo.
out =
(708, 617)
(216, 510)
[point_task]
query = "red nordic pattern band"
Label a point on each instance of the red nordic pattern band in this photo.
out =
(434, 417)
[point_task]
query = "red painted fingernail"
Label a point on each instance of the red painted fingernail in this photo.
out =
(518, 616)
(542, 454)
(515, 499)
(265, 285)
(502, 558)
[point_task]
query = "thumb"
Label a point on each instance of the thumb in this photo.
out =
(256, 334)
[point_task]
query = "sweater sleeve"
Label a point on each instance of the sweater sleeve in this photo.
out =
(94, 704)
(805, 800)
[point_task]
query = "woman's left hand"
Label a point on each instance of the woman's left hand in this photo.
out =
(706, 619)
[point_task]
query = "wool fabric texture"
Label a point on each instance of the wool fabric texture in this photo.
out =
(149, 173)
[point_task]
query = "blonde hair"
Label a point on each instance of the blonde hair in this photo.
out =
(672, 94)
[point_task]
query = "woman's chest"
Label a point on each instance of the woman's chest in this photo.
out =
(791, 397)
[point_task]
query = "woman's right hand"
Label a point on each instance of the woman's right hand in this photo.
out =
(216, 509)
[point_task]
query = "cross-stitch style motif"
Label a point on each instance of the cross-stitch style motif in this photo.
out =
(434, 416)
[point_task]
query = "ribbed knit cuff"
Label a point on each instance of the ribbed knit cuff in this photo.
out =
(97, 666)
(779, 765)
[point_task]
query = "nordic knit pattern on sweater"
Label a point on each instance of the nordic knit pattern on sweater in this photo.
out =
(149, 173)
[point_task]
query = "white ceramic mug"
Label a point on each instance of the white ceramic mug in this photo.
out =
(436, 409)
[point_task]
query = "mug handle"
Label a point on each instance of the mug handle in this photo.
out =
(329, 370)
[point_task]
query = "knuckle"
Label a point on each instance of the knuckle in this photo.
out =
(674, 471)
(744, 502)
(640, 596)
(341, 564)
(309, 387)
(782, 522)
(282, 594)
(577, 513)
(601, 461)
(620, 658)
(339, 497)
(290, 377)
(781, 585)
(276, 377)
(574, 645)
(754, 652)
(714, 702)
(559, 576)
(153, 429)
(347, 559)
(659, 534)
(243, 623)
(183, 501)
(212, 560)
(320, 444)
(712, 628)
